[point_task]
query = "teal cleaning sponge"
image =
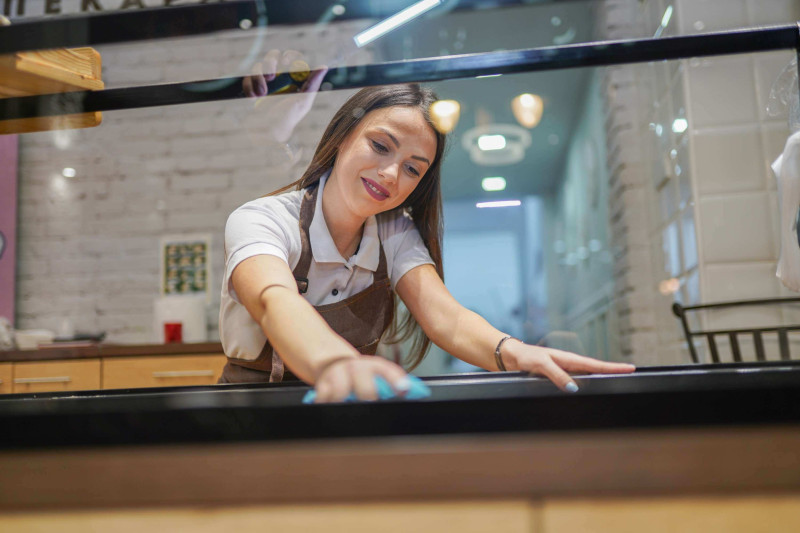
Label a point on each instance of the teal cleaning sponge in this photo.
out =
(417, 390)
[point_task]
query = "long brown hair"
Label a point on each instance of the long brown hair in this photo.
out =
(424, 204)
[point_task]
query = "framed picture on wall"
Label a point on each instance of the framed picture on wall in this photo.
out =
(185, 265)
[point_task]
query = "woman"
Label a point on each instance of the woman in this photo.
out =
(312, 274)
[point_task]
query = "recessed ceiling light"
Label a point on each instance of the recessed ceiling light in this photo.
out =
(68, 172)
(444, 114)
(395, 21)
(501, 203)
(528, 109)
(496, 144)
(667, 16)
(495, 183)
(680, 125)
(491, 142)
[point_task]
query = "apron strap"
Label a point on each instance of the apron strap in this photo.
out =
(307, 206)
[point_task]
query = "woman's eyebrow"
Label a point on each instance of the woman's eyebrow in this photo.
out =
(392, 137)
(397, 143)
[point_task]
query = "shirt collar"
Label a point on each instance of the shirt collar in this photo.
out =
(323, 248)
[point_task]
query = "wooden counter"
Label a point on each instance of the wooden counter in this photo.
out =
(726, 479)
(88, 350)
(110, 366)
(701, 448)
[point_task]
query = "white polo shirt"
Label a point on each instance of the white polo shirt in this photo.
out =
(270, 226)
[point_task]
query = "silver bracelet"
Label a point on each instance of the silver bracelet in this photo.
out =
(499, 358)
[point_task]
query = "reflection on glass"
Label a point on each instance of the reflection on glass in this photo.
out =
(626, 181)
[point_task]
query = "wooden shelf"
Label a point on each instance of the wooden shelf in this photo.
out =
(47, 72)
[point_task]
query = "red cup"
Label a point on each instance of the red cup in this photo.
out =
(173, 332)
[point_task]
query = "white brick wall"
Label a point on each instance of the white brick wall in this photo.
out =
(89, 246)
(712, 183)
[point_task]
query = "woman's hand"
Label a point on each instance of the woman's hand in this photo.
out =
(273, 120)
(357, 375)
(554, 364)
(277, 118)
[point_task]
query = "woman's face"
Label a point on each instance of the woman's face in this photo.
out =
(383, 160)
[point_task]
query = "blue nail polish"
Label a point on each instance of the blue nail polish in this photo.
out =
(571, 387)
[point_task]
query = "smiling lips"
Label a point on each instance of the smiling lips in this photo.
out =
(375, 190)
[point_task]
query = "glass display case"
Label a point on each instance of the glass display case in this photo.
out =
(620, 181)
(626, 183)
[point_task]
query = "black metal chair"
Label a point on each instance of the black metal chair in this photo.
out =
(733, 334)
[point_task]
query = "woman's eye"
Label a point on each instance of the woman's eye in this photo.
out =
(413, 171)
(379, 147)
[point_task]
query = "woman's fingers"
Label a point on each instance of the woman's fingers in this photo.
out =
(578, 363)
(359, 376)
(335, 384)
(314, 81)
(547, 367)
(364, 382)
(394, 375)
(254, 84)
(555, 365)
(271, 65)
(288, 57)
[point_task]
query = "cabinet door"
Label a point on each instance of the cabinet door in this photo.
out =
(6, 375)
(162, 371)
(46, 376)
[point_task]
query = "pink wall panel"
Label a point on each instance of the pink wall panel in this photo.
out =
(8, 223)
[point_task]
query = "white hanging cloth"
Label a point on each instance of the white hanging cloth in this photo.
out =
(787, 173)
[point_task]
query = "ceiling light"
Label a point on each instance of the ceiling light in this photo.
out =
(68, 172)
(395, 21)
(444, 114)
(496, 183)
(664, 22)
(496, 144)
(667, 16)
(491, 142)
(501, 203)
(680, 125)
(527, 109)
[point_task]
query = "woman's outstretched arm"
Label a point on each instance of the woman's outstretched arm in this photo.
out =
(306, 343)
(466, 335)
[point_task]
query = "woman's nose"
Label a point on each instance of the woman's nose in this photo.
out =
(390, 172)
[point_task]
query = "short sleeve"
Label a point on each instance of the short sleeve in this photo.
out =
(256, 228)
(402, 244)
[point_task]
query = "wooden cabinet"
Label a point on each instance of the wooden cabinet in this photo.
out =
(6, 376)
(46, 376)
(162, 371)
(111, 367)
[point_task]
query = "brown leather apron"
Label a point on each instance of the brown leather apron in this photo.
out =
(361, 319)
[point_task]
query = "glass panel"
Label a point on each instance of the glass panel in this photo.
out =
(637, 184)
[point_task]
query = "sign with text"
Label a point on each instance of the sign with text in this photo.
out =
(37, 8)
